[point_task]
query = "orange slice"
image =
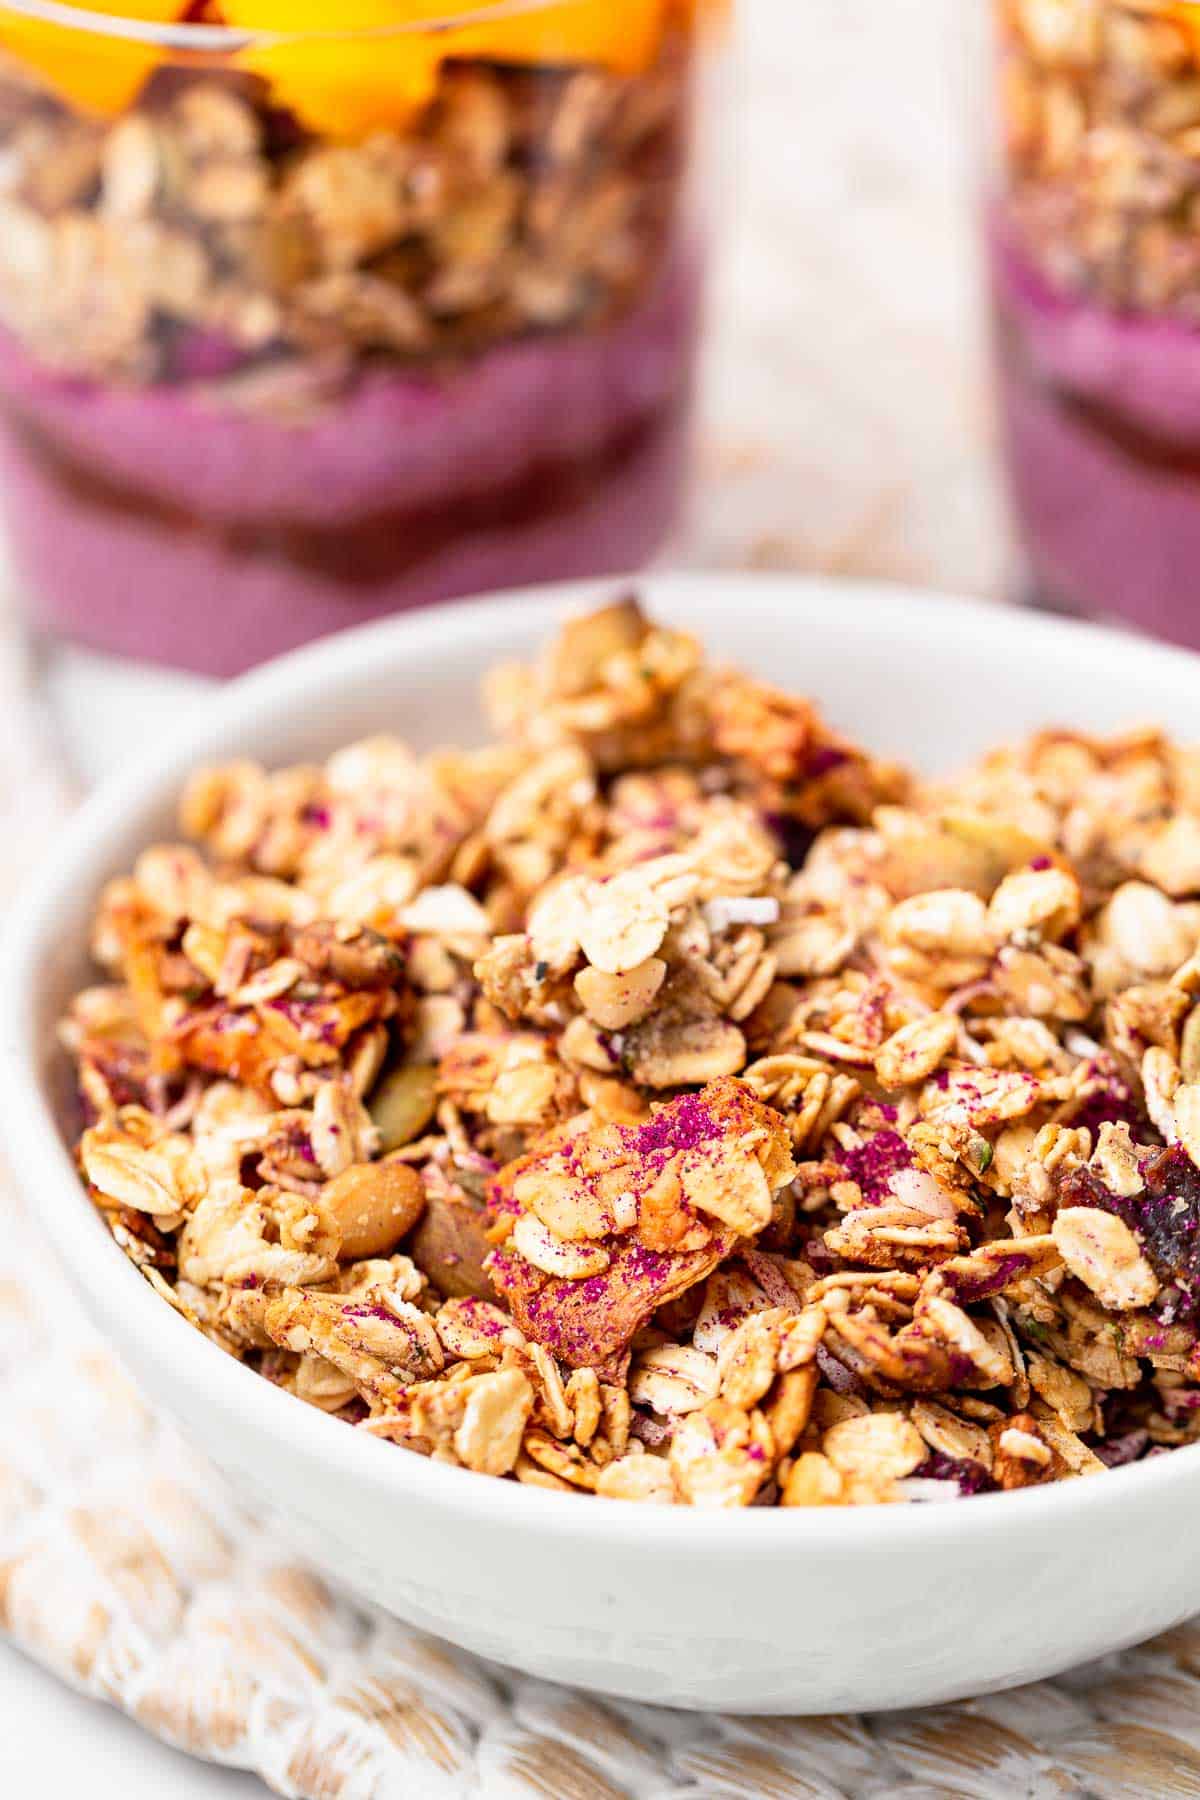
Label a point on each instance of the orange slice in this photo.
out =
(95, 73)
(617, 34)
(346, 86)
(1185, 14)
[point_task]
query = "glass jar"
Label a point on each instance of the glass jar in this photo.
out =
(1094, 258)
(313, 311)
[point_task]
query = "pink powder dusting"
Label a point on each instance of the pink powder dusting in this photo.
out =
(478, 1317)
(650, 1266)
(683, 1126)
(562, 1312)
(873, 1163)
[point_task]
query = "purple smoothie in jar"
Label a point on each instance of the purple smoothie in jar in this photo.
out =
(1094, 269)
(133, 514)
(1100, 413)
(263, 377)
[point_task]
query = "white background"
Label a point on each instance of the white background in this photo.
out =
(52, 1744)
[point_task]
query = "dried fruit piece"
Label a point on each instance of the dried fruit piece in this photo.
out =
(666, 1199)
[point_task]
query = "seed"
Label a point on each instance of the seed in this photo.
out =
(449, 1247)
(403, 1104)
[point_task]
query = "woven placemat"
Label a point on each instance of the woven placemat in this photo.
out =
(127, 1568)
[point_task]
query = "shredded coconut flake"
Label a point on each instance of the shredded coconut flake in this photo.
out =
(722, 912)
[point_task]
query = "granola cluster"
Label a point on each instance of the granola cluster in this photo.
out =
(671, 1101)
(209, 229)
(1100, 115)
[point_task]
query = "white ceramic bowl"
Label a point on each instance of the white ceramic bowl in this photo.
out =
(764, 1611)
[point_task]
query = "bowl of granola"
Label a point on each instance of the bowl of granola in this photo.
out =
(695, 1193)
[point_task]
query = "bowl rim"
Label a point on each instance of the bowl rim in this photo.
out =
(127, 1304)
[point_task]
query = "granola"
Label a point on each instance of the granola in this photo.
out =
(670, 1101)
(1100, 118)
(252, 202)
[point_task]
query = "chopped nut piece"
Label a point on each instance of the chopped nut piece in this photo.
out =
(403, 1105)
(1115, 1161)
(373, 1205)
(615, 1001)
(450, 1247)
